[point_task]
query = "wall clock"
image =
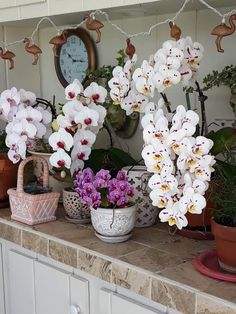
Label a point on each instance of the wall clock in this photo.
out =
(75, 56)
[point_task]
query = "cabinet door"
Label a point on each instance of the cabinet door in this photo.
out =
(7, 3)
(52, 290)
(20, 284)
(113, 303)
(25, 2)
(2, 307)
(79, 289)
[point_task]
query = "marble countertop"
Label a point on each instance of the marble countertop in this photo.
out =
(152, 263)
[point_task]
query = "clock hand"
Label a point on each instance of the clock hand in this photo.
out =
(73, 60)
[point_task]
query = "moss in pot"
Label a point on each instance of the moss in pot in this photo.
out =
(113, 216)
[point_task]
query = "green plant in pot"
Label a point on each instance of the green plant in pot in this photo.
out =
(8, 170)
(224, 198)
(226, 77)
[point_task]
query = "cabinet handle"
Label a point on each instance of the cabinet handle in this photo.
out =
(75, 309)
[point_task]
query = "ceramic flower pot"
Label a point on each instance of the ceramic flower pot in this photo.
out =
(56, 185)
(8, 175)
(74, 209)
(225, 238)
(114, 224)
(138, 177)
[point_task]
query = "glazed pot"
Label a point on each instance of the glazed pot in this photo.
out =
(56, 185)
(74, 208)
(113, 222)
(138, 177)
(8, 175)
(225, 238)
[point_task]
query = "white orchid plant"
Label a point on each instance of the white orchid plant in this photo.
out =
(77, 126)
(180, 162)
(26, 121)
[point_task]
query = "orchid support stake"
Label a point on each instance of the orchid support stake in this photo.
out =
(188, 101)
(202, 98)
(167, 103)
(105, 126)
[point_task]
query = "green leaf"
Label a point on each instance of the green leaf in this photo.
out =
(96, 159)
(223, 139)
(120, 159)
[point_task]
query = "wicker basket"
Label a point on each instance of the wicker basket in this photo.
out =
(32, 209)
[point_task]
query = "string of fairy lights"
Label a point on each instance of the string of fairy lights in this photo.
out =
(104, 14)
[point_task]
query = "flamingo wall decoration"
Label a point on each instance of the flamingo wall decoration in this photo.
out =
(8, 55)
(175, 31)
(93, 25)
(223, 30)
(130, 49)
(57, 41)
(33, 49)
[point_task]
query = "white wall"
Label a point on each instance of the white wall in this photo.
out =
(196, 24)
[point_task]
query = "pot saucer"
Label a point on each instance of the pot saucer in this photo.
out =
(113, 239)
(207, 264)
(78, 221)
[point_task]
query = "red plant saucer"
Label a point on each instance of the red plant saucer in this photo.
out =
(207, 264)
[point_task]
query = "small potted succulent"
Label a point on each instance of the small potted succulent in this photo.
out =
(113, 216)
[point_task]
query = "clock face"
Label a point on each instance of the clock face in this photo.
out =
(73, 59)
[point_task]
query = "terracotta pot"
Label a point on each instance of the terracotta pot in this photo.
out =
(225, 238)
(8, 175)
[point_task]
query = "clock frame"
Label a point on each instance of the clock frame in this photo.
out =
(84, 36)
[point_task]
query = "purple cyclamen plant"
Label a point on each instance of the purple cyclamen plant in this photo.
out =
(101, 190)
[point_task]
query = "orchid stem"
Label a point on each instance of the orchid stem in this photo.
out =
(188, 101)
(167, 103)
(202, 98)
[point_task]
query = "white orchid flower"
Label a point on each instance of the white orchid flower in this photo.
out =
(160, 58)
(25, 129)
(84, 137)
(116, 96)
(87, 117)
(145, 71)
(61, 139)
(177, 141)
(145, 86)
(15, 142)
(192, 202)
(150, 108)
(27, 98)
(193, 57)
(186, 162)
(96, 93)
(65, 121)
(191, 117)
(101, 111)
(46, 115)
(41, 129)
(76, 166)
(162, 130)
(129, 67)
(134, 102)
(198, 186)
(80, 152)
(11, 95)
(186, 74)
(203, 168)
(147, 119)
(13, 156)
(73, 90)
(166, 78)
(173, 216)
(159, 198)
(167, 184)
(60, 159)
(4, 109)
(72, 107)
(30, 114)
(121, 83)
(202, 146)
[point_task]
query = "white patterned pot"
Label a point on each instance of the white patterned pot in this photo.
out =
(74, 207)
(138, 177)
(113, 222)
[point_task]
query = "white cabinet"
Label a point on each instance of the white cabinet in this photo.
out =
(113, 303)
(20, 284)
(2, 307)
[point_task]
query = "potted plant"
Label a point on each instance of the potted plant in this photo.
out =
(113, 216)
(226, 77)
(8, 170)
(224, 197)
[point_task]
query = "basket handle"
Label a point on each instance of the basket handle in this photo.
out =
(20, 175)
